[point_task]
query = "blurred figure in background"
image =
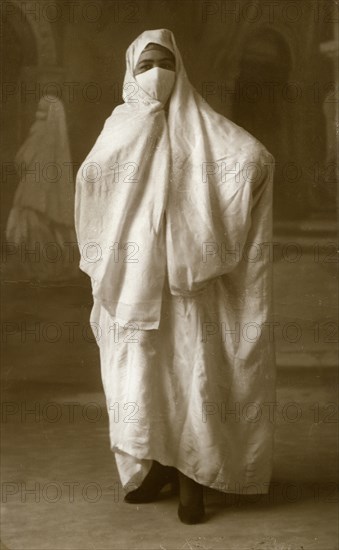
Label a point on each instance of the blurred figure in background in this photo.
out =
(41, 221)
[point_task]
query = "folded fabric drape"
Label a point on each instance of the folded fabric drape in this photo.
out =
(186, 196)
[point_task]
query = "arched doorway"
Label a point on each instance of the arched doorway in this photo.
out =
(263, 107)
(28, 56)
(17, 35)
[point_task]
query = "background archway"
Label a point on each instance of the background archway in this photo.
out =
(28, 57)
(18, 51)
(263, 108)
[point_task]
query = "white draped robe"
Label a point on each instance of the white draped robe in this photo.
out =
(178, 252)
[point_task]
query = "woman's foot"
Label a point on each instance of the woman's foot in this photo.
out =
(156, 479)
(191, 505)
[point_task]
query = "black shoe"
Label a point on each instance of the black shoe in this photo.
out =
(157, 478)
(191, 514)
(191, 505)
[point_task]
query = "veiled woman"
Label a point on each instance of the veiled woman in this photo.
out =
(42, 217)
(173, 216)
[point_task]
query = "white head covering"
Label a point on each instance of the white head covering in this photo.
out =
(211, 177)
(163, 37)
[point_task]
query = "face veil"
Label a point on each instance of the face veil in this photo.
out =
(157, 83)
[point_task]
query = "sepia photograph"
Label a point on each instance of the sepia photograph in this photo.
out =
(169, 274)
